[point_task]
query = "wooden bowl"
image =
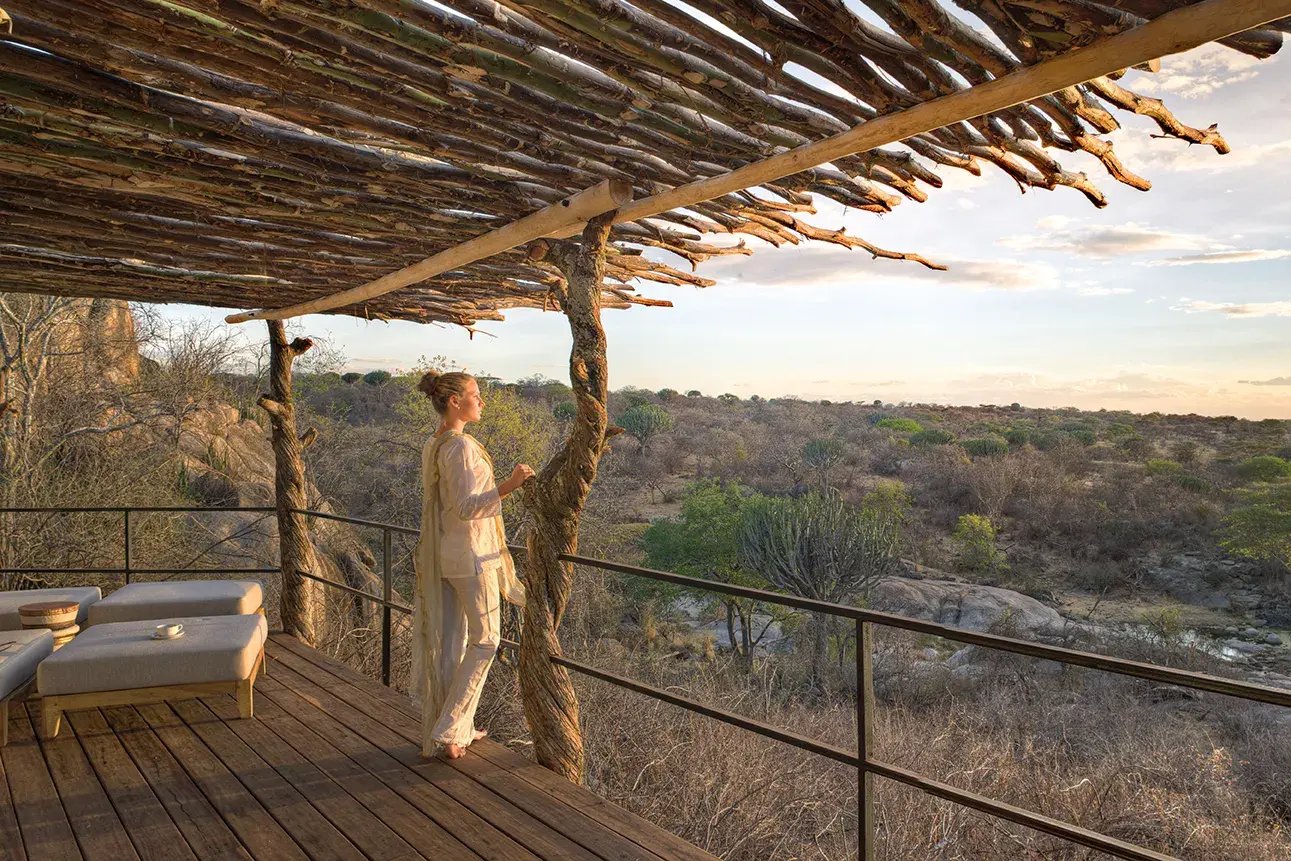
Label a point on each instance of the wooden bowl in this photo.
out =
(49, 614)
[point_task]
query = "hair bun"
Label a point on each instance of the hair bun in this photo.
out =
(427, 383)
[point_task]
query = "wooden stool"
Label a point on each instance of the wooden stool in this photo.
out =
(58, 616)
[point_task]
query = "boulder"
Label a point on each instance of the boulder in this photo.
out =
(965, 605)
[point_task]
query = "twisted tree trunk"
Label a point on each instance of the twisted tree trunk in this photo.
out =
(556, 501)
(299, 601)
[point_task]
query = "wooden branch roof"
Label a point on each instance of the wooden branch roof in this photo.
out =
(247, 153)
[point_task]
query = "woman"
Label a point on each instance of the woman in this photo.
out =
(463, 568)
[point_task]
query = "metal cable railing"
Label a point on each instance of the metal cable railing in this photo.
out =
(862, 758)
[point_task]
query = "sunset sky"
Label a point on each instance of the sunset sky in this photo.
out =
(1174, 300)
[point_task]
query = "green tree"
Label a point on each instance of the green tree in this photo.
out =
(1264, 467)
(376, 378)
(351, 377)
(819, 546)
(565, 411)
(822, 455)
(645, 421)
(668, 394)
(729, 398)
(974, 540)
(1260, 528)
(702, 542)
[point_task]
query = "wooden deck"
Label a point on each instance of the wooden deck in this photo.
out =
(328, 769)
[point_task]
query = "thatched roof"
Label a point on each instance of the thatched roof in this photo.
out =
(241, 153)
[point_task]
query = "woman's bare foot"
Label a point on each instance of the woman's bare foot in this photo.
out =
(479, 734)
(454, 751)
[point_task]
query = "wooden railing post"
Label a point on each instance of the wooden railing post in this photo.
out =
(387, 594)
(865, 846)
(126, 541)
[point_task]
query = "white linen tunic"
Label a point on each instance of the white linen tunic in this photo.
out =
(469, 543)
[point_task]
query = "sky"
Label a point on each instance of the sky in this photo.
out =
(1173, 300)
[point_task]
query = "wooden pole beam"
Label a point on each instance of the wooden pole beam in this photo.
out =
(1178, 30)
(572, 212)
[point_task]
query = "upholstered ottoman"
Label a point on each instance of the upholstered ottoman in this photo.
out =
(120, 663)
(86, 596)
(20, 653)
(172, 599)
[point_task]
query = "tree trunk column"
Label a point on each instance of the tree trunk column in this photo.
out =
(295, 552)
(556, 500)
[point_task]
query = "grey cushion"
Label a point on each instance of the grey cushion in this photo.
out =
(11, 601)
(20, 652)
(122, 655)
(167, 599)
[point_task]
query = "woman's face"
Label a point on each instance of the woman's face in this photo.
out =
(470, 405)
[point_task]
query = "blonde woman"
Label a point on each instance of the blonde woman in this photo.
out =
(463, 568)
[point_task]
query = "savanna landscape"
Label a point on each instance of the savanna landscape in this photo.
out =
(1150, 536)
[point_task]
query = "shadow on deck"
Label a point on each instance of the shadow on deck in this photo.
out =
(328, 769)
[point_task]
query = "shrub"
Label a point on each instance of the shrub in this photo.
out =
(376, 378)
(932, 436)
(1161, 466)
(900, 425)
(1117, 430)
(667, 394)
(351, 377)
(1264, 467)
(565, 411)
(985, 446)
(1195, 483)
(1082, 435)
(875, 418)
(1017, 436)
(729, 398)
(974, 540)
(694, 393)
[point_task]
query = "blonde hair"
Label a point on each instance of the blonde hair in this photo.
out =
(440, 387)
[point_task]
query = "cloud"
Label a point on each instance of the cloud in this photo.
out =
(1198, 73)
(1146, 154)
(813, 266)
(1234, 309)
(1105, 241)
(1215, 257)
(1276, 381)
(1104, 291)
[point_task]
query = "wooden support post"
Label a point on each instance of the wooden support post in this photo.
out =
(295, 552)
(556, 500)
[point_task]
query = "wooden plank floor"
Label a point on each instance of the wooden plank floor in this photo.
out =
(328, 769)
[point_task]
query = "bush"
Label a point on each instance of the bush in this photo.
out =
(729, 398)
(932, 436)
(900, 425)
(1084, 436)
(985, 446)
(565, 411)
(1264, 467)
(974, 539)
(1018, 436)
(376, 378)
(1161, 466)
(1195, 483)
(351, 377)
(668, 394)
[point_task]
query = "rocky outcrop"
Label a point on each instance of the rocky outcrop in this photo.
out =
(965, 605)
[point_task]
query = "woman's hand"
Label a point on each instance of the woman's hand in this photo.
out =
(522, 473)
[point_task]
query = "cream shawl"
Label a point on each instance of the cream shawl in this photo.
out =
(429, 679)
